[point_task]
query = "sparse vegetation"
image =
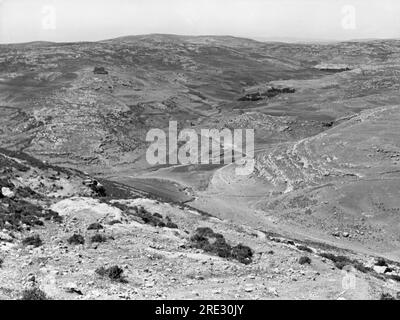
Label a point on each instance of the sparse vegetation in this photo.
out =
(304, 248)
(342, 261)
(209, 241)
(112, 222)
(115, 273)
(35, 241)
(305, 260)
(386, 296)
(76, 239)
(99, 238)
(19, 212)
(34, 294)
(95, 226)
(339, 261)
(381, 262)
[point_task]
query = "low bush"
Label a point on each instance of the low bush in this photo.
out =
(209, 241)
(76, 239)
(386, 296)
(341, 261)
(381, 262)
(242, 253)
(305, 260)
(95, 226)
(34, 294)
(98, 238)
(32, 241)
(304, 248)
(115, 273)
(112, 222)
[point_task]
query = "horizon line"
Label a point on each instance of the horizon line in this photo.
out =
(260, 39)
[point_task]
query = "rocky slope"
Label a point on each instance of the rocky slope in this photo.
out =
(79, 244)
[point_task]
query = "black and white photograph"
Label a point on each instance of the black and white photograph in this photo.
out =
(176, 151)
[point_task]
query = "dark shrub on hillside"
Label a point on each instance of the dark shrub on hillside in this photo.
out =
(393, 277)
(242, 253)
(342, 261)
(339, 261)
(305, 260)
(34, 294)
(151, 219)
(19, 212)
(98, 238)
(100, 70)
(112, 222)
(32, 241)
(1, 262)
(381, 262)
(170, 224)
(360, 267)
(95, 226)
(52, 215)
(26, 192)
(76, 239)
(386, 296)
(209, 241)
(157, 215)
(304, 248)
(115, 273)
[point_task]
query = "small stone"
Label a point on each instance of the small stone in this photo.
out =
(272, 291)
(7, 192)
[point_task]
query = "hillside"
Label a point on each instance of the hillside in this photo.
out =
(73, 121)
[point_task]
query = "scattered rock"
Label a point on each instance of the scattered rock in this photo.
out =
(6, 192)
(5, 237)
(380, 269)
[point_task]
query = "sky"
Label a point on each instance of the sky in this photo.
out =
(290, 20)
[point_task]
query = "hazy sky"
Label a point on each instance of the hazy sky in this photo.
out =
(77, 20)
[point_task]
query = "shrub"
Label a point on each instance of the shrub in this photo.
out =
(32, 241)
(112, 222)
(114, 273)
(170, 224)
(305, 260)
(381, 262)
(34, 294)
(386, 296)
(76, 239)
(1, 262)
(304, 248)
(98, 238)
(342, 261)
(360, 267)
(209, 241)
(242, 253)
(393, 277)
(95, 226)
(152, 219)
(339, 261)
